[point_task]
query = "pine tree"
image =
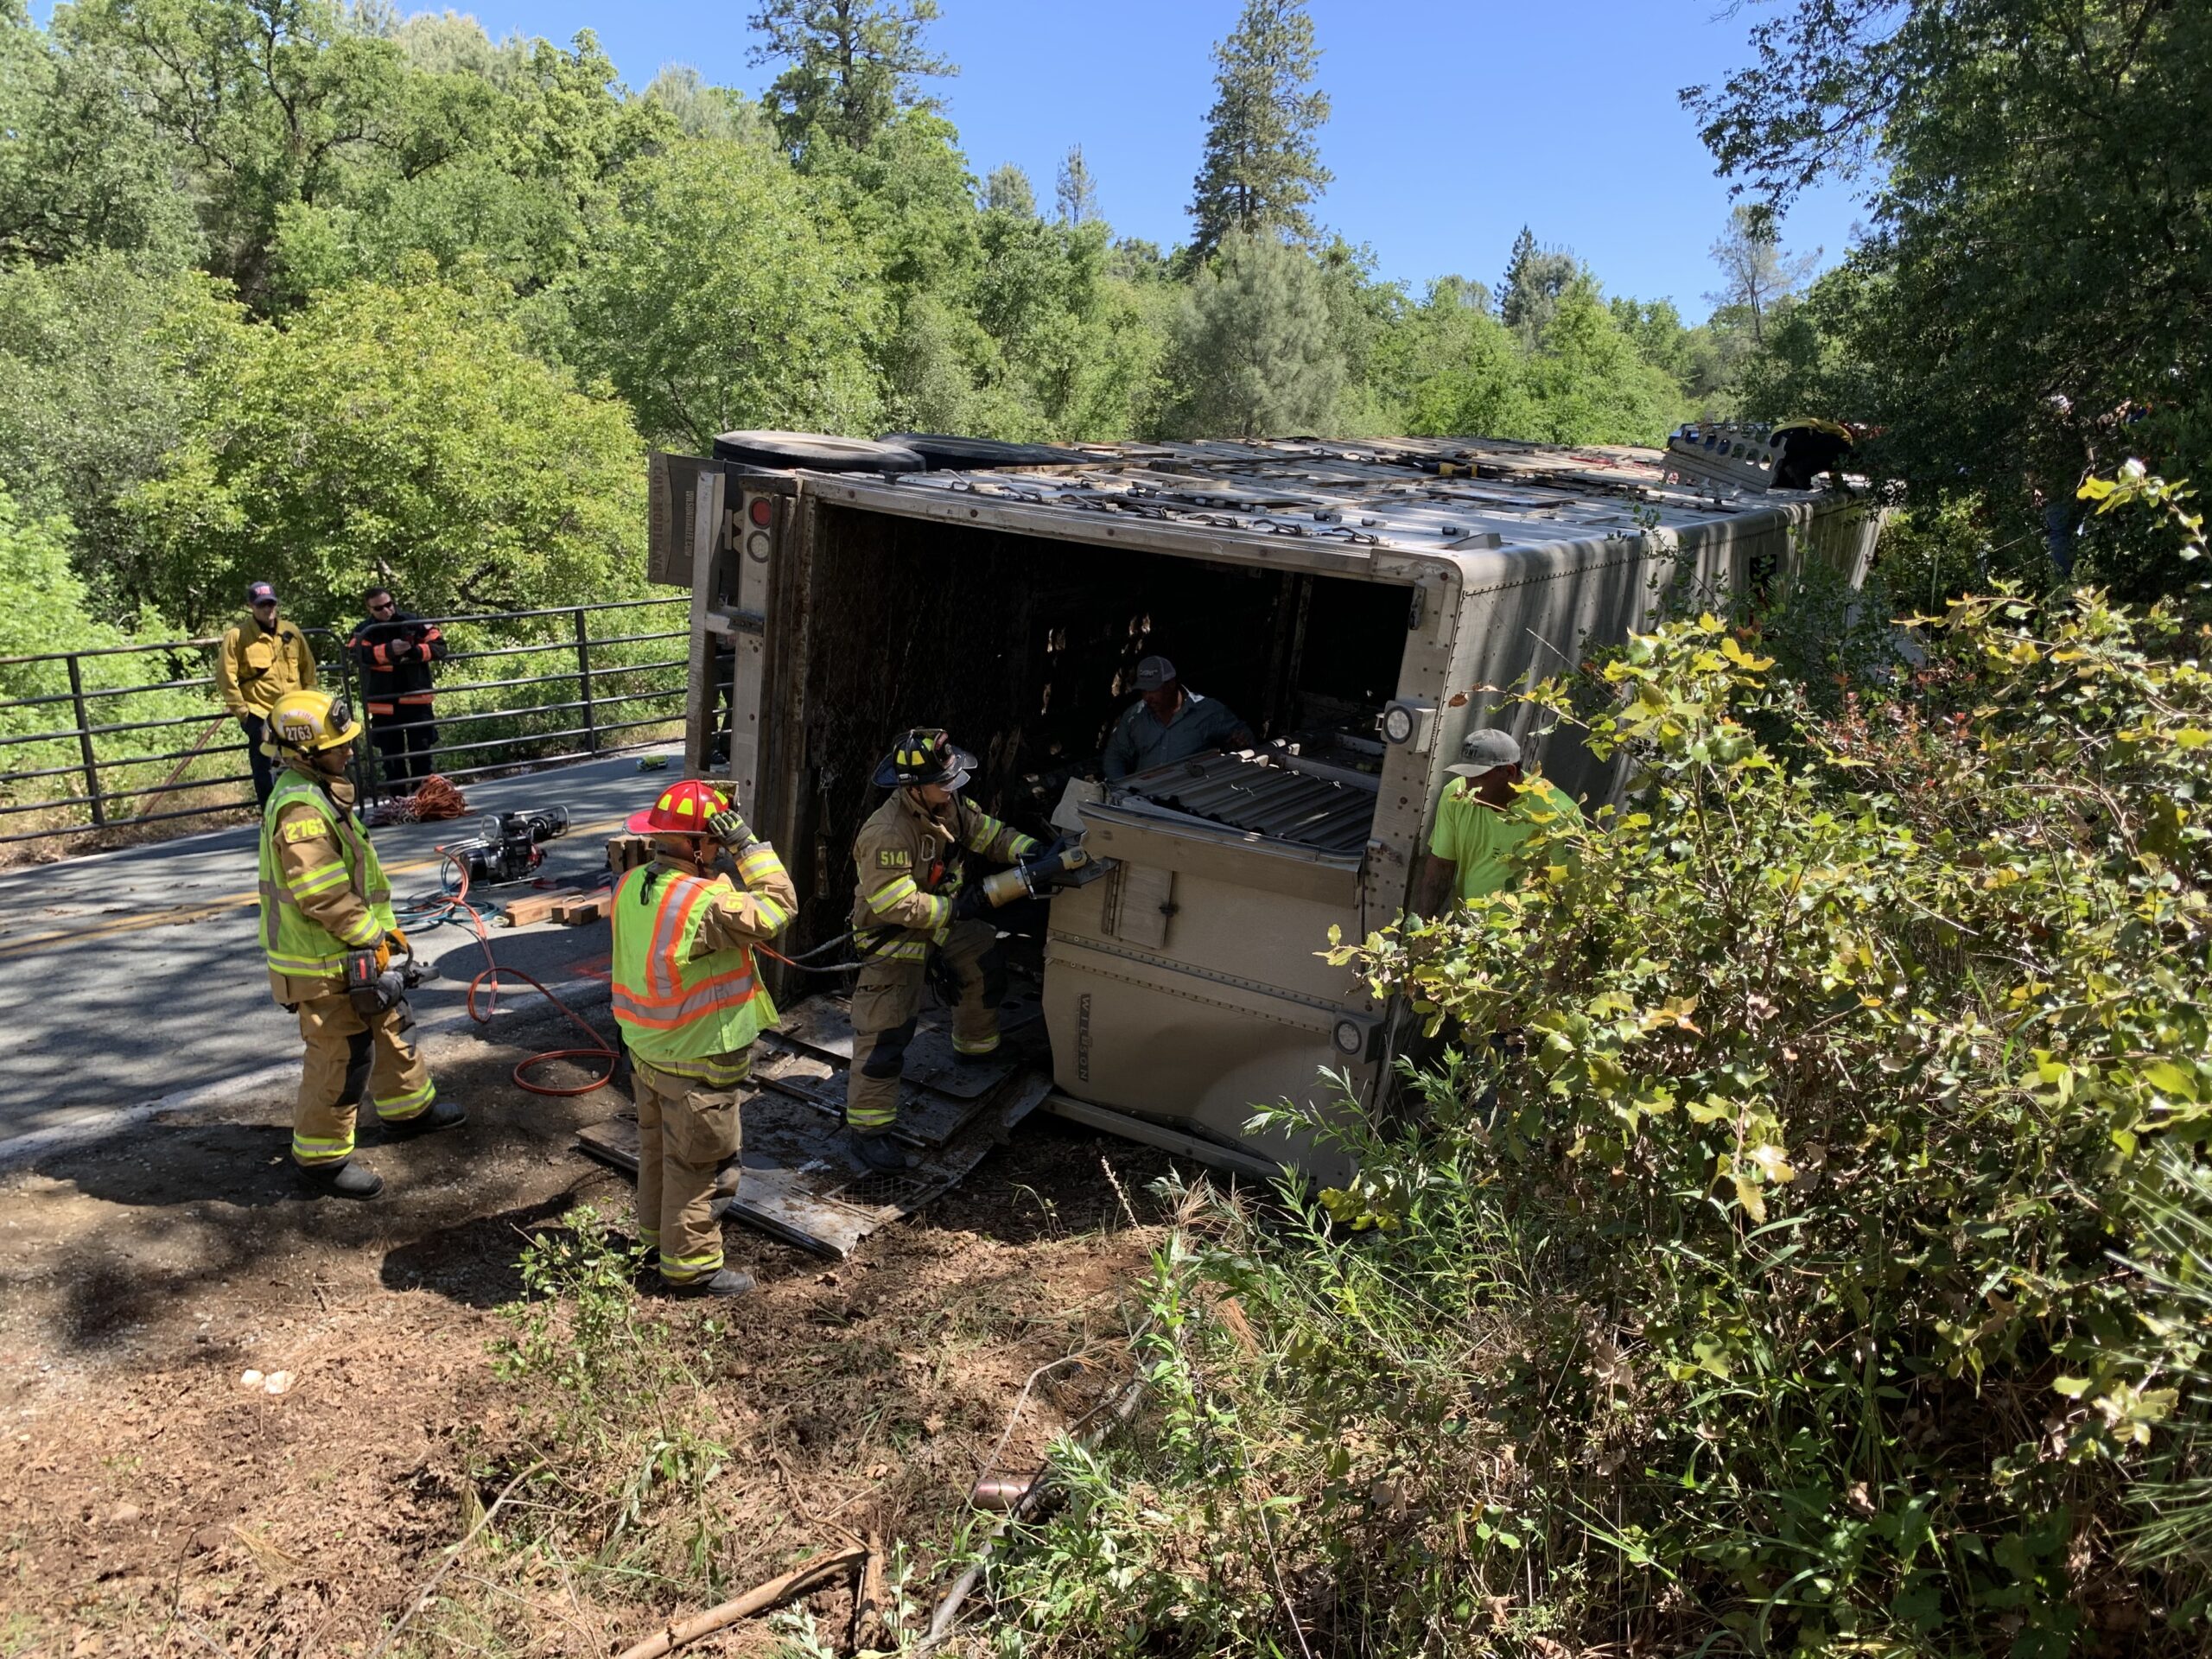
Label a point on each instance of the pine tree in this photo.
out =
(1258, 354)
(1263, 167)
(1079, 191)
(1529, 293)
(1008, 191)
(850, 65)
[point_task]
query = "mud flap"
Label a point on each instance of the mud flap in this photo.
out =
(800, 1181)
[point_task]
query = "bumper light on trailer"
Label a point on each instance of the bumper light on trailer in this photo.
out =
(1410, 722)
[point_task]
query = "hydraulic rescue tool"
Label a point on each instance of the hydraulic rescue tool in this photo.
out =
(1061, 865)
(372, 985)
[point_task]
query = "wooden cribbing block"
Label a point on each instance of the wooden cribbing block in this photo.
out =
(539, 907)
(625, 853)
(577, 911)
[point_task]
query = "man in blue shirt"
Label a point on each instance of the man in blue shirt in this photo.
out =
(1168, 722)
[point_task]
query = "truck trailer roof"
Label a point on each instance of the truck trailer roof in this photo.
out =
(1347, 496)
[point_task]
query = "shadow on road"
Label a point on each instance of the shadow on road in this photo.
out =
(144, 1223)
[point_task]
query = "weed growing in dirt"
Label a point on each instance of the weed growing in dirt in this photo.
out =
(613, 1404)
(897, 1624)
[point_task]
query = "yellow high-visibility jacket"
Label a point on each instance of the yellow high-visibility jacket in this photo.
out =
(254, 665)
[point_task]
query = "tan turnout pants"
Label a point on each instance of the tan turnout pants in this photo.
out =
(346, 1054)
(688, 1131)
(888, 1004)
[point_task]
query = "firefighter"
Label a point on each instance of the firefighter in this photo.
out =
(909, 903)
(395, 649)
(262, 658)
(328, 927)
(689, 1005)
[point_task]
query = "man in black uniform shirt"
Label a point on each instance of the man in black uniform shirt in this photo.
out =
(395, 649)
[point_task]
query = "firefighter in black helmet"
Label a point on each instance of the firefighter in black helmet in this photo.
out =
(909, 903)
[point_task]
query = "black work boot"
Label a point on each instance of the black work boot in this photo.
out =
(351, 1179)
(439, 1114)
(880, 1151)
(726, 1281)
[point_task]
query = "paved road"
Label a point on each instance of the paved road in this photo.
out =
(136, 976)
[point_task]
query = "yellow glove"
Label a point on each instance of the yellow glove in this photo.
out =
(384, 953)
(398, 941)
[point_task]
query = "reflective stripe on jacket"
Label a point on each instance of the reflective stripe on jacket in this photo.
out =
(296, 945)
(389, 675)
(674, 1005)
(909, 872)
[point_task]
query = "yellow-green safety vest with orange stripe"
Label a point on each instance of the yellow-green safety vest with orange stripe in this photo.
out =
(670, 1005)
(295, 944)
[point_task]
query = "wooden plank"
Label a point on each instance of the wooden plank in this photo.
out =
(823, 1025)
(770, 1198)
(802, 1182)
(578, 911)
(537, 908)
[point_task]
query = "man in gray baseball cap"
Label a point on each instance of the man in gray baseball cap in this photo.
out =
(1482, 821)
(1168, 722)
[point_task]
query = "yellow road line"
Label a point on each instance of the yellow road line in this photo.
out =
(63, 938)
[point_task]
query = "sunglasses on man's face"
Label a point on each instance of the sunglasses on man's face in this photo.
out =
(380, 607)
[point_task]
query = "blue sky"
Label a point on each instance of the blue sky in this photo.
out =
(1453, 124)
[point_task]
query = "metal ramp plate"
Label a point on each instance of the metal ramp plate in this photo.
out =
(1257, 793)
(801, 1182)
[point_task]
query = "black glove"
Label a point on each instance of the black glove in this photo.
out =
(400, 650)
(970, 903)
(730, 828)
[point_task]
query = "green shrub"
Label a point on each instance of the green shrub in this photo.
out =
(1818, 1269)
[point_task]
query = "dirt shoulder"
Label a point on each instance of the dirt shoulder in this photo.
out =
(158, 1505)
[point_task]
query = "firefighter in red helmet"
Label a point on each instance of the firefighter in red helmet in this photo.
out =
(690, 1002)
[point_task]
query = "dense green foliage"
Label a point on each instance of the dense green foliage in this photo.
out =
(1818, 1268)
(312, 292)
(2032, 300)
(396, 432)
(47, 600)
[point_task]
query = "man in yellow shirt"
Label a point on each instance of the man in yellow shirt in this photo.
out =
(1482, 822)
(262, 658)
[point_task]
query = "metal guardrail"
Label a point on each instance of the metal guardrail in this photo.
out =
(580, 730)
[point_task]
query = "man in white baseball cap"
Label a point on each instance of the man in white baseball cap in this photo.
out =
(1482, 821)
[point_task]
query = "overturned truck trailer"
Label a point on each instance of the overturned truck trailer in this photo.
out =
(1361, 605)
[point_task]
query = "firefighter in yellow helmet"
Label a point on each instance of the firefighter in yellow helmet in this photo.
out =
(909, 903)
(327, 928)
(689, 1003)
